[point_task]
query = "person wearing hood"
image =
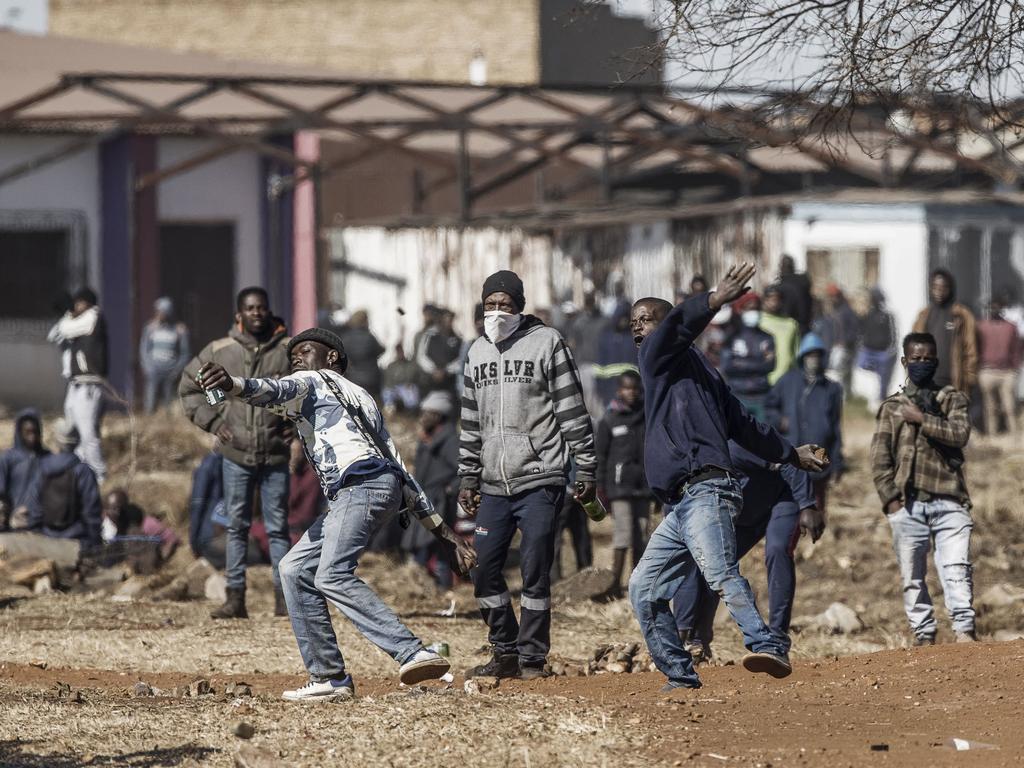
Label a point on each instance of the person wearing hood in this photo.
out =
(253, 441)
(807, 407)
(749, 356)
(19, 469)
(917, 464)
(620, 475)
(64, 500)
(82, 336)
(523, 417)
(955, 331)
(163, 353)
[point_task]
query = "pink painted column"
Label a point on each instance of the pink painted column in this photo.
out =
(307, 147)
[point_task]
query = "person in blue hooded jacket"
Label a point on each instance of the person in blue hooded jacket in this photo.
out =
(691, 414)
(778, 505)
(807, 407)
(19, 468)
(64, 500)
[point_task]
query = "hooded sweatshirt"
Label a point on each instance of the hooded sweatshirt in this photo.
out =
(88, 524)
(620, 452)
(523, 414)
(18, 465)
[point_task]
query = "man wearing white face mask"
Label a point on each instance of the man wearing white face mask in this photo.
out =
(523, 420)
(749, 356)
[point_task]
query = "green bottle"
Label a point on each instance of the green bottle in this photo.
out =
(594, 508)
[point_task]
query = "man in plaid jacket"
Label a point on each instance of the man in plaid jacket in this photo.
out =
(917, 464)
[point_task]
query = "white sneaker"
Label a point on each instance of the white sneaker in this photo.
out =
(424, 665)
(329, 689)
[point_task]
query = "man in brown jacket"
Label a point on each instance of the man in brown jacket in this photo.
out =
(253, 441)
(954, 328)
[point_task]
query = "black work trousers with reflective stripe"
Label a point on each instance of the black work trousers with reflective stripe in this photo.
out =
(535, 514)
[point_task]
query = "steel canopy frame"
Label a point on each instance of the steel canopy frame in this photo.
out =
(437, 125)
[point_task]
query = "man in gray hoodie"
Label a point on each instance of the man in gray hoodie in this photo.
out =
(523, 419)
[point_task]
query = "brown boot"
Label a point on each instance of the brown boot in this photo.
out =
(234, 606)
(280, 606)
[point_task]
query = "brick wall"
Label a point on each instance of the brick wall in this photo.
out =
(400, 39)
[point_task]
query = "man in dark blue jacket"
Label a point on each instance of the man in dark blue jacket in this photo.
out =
(19, 469)
(807, 407)
(778, 503)
(64, 501)
(691, 416)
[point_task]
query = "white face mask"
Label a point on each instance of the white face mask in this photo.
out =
(751, 318)
(499, 325)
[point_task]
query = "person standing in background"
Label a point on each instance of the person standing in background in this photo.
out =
(783, 329)
(163, 353)
(584, 333)
(842, 342)
(955, 332)
(807, 407)
(620, 475)
(749, 356)
(1000, 358)
(616, 354)
(253, 441)
(878, 344)
(19, 469)
(796, 293)
(82, 336)
(363, 353)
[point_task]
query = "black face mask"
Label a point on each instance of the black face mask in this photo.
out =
(922, 372)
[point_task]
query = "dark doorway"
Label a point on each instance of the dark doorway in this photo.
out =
(197, 270)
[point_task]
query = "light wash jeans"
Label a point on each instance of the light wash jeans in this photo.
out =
(699, 528)
(948, 524)
(239, 480)
(321, 568)
(83, 409)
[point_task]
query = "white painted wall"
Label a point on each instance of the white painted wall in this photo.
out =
(899, 232)
(228, 189)
(71, 185)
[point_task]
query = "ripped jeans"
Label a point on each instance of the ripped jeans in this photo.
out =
(698, 529)
(948, 524)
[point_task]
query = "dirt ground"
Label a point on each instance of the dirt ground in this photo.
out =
(70, 661)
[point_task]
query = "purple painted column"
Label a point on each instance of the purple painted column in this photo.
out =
(116, 283)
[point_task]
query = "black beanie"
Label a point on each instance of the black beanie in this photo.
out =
(329, 339)
(507, 282)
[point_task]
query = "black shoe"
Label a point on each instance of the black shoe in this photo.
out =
(533, 672)
(280, 606)
(773, 664)
(501, 665)
(234, 606)
(922, 640)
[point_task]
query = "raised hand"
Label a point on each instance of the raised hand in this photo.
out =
(735, 283)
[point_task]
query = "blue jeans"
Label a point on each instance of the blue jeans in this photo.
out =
(161, 387)
(698, 528)
(880, 362)
(535, 514)
(695, 603)
(238, 486)
(949, 524)
(321, 569)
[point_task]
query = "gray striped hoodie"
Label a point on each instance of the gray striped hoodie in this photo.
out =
(523, 414)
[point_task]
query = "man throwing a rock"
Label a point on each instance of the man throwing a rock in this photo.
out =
(691, 416)
(344, 439)
(523, 417)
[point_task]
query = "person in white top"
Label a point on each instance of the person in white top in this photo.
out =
(344, 438)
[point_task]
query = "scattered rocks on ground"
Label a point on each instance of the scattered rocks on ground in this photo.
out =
(478, 685)
(615, 659)
(238, 690)
(199, 688)
(837, 619)
(251, 757)
(216, 588)
(28, 572)
(142, 689)
(244, 730)
(1008, 635)
(188, 585)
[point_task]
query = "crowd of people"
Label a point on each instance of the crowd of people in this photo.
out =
(718, 423)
